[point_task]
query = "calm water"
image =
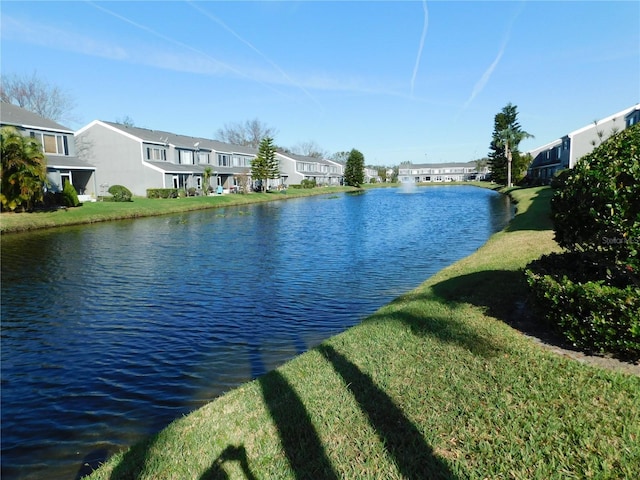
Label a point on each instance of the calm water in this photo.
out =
(111, 331)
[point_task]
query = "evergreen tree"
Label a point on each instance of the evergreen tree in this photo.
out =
(354, 169)
(507, 135)
(24, 170)
(265, 165)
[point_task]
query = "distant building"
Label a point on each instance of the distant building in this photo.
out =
(564, 152)
(59, 147)
(441, 172)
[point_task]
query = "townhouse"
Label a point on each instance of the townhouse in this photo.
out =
(440, 172)
(140, 158)
(296, 168)
(59, 147)
(565, 151)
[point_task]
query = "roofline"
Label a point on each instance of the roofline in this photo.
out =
(622, 113)
(36, 127)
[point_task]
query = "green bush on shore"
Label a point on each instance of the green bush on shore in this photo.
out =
(592, 291)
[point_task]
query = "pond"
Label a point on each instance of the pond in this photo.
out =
(111, 331)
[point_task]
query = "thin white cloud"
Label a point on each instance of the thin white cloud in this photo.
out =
(61, 39)
(486, 76)
(421, 46)
(284, 74)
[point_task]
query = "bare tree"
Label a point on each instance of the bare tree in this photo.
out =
(310, 149)
(37, 95)
(249, 133)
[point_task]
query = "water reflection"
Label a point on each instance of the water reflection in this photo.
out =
(111, 331)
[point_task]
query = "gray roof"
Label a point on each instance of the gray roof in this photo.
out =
(303, 158)
(17, 116)
(182, 141)
(60, 161)
(440, 165)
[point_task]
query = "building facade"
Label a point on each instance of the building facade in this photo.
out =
(440, 172)
(565, 151)
(59, 147)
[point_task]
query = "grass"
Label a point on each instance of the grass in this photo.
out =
(435, 384)
(93, 212)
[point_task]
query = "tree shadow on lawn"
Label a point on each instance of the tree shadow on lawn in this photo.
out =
(298, 436)
(538, 215)
(504, 295)
(413, 456)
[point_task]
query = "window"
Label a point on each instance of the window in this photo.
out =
(203, 157)
(223, 160)
(158, 154)
(185, 157)
(52, 143)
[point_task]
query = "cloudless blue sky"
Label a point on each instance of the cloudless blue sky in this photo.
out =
(417, 81)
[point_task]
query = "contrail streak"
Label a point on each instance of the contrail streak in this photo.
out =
(484, 79)
(255, 49)
(181, 44)
(422, 38)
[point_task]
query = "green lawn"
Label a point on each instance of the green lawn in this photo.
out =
(433, 385)
(92, 212)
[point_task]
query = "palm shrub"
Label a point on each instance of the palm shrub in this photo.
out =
(591, 292)
(120, 193)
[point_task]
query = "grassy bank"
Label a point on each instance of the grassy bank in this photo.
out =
(93, 212)
(434, 385)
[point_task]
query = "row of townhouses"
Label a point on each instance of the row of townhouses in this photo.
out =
(565, 151)
(441, 172)
(102, 154)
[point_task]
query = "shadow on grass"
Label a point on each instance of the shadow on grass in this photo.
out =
(298, 436)
(503, 294)
(414, 458)
(537, 216)
(229, 454)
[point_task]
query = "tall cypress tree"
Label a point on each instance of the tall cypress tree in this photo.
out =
(506, 125)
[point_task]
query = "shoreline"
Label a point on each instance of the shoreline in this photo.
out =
(428, 346)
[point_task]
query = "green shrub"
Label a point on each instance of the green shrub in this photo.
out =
(295, 186)
(591, 293)
(596, 206)
(69, 195)
(593, 316)
(162, 192)
(120, 193)
(308, 183)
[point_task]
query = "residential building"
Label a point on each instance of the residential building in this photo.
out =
(371, 174)
(565, 151)
(59, 147)
(140, 158)
(440, 172)
(295, 168)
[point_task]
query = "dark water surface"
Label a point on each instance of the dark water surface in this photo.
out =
(111, 331)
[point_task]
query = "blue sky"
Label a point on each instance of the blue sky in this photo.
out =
(417, 81)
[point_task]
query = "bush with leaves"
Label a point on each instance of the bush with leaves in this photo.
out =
(120, 193)
(591, 293)
(69, 195)
(596, 207)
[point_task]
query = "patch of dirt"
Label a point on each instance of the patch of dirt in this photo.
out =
(527, 324)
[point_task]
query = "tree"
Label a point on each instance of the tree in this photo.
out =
(24, 170)
(206, 179)
(505, 161)
(250, 133)
(310, 149)
(38, 96)
(354, 169)
(265, 165)
(340, 157)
